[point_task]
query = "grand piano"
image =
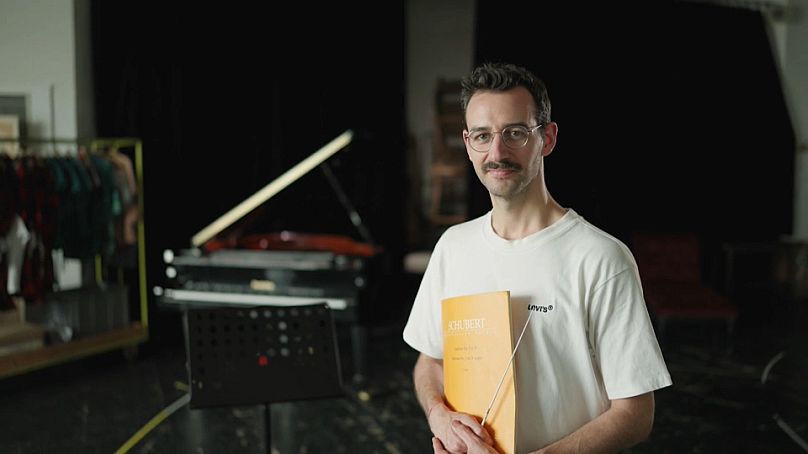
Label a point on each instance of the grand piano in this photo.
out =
(283, 268)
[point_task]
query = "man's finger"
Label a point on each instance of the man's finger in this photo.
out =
(474, 425)
(466, 434)
(437, 446)
(484, 435)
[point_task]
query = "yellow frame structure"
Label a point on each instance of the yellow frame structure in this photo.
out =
(124, 338)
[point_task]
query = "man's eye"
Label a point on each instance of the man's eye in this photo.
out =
(481, 137)
(516, 134)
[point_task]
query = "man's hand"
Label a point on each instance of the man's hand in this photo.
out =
(444, 423)
(474, 444)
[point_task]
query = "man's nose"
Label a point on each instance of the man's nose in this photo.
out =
(498, 147)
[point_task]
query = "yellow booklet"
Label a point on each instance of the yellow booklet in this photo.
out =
(477, 348)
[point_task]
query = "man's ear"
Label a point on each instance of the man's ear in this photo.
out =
(469, 151)
(550, 133)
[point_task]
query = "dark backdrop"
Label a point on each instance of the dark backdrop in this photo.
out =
(671, 116)
(228, 98)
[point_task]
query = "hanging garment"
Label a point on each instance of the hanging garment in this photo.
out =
(79, 243)
(126, 224)
(14, 243)
(9, 193)
(104, 206)
(6, 303)
(37, 276)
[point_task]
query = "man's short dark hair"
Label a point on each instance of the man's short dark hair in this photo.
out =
(503, 77)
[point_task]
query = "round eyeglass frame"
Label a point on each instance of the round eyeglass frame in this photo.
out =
(505, 141)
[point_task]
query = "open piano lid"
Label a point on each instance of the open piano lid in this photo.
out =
(206, 238)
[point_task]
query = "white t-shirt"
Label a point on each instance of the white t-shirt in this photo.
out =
(592, 342)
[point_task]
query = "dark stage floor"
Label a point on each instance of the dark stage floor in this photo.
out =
(752, 399)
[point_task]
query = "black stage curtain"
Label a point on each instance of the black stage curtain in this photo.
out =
(671, 115)
(227, 99)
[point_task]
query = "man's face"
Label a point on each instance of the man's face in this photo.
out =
(506, 172)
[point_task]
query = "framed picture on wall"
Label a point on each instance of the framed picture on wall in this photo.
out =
(9, 129)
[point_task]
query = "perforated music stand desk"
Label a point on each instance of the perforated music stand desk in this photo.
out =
(261, 354)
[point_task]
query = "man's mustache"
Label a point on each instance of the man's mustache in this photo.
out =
(505, 165)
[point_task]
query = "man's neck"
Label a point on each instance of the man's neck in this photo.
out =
(524, 215)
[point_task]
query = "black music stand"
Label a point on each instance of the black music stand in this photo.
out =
(261, 354)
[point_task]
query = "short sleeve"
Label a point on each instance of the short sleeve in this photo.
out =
(423, 329)
(623, 338)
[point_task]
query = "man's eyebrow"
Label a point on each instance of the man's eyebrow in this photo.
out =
(488, 128)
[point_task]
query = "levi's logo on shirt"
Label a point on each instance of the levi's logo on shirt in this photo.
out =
(539, 308)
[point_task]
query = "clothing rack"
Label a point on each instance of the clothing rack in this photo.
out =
(127, 337)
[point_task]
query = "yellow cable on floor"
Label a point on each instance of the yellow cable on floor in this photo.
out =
(165, 413)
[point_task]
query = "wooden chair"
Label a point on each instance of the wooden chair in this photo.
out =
(670, 269)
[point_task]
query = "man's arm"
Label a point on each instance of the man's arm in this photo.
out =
(626, 423)
(428, 379)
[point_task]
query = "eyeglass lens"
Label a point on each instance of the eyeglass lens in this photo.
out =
(512, 137)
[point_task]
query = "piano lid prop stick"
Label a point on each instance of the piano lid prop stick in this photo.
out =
(277, 185)
(491, 405)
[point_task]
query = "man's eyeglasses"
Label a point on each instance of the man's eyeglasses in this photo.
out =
(514, 137)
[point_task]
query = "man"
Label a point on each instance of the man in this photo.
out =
(586, 370)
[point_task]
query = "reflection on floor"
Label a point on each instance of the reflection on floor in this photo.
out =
(752, 399)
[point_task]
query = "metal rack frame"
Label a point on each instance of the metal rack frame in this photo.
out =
(126, 338)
